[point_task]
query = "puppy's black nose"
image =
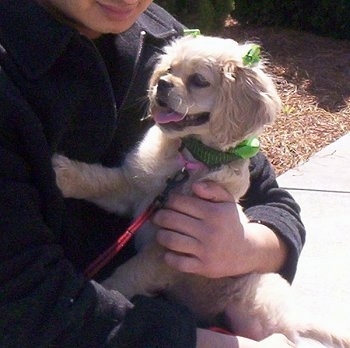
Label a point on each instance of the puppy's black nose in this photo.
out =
(164, 87)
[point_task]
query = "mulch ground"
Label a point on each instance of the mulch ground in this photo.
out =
(312, 75)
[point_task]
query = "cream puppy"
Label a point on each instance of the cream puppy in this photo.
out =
(209, 99)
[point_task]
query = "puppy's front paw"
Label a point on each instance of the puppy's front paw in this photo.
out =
(68, 176)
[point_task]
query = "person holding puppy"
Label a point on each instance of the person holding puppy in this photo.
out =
(73, 79)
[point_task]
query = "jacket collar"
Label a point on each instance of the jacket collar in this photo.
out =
(35, 40)
(158, 23)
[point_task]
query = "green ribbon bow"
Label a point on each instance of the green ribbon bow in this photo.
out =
(192, 32)
(253, 56)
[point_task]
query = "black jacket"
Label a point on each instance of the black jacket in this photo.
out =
(60, 92)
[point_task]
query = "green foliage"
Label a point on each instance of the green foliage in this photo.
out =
(206, 15)
(324, 17)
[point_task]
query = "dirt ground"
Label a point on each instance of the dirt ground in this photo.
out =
(312, 75)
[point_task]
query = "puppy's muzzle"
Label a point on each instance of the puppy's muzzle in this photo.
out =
(163, 91)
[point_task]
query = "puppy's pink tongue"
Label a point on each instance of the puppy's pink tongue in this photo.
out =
(166, 117)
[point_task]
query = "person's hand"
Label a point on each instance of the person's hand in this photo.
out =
(207, 234)
(204, 233)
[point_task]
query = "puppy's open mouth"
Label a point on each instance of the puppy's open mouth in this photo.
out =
(170, 119)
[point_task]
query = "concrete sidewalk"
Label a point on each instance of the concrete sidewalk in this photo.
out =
(322, 188)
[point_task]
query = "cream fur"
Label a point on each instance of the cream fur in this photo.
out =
(202, 74)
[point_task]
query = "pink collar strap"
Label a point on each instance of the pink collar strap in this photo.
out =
(190, 165)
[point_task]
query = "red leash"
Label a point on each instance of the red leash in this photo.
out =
(104, 258)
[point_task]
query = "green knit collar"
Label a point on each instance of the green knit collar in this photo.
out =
(213, 158)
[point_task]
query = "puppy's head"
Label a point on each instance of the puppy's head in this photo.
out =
(202, 87)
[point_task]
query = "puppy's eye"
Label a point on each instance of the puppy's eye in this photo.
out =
(198, 80)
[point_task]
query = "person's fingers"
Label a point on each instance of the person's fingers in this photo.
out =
(173, 220)
(207, 195)
(211, 191)
(178, 242)
(187, 205)
(183, 262)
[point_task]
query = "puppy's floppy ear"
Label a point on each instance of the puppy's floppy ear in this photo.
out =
(247, 100)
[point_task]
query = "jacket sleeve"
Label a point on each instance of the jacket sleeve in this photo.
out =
(268, 204)
(44, 301)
